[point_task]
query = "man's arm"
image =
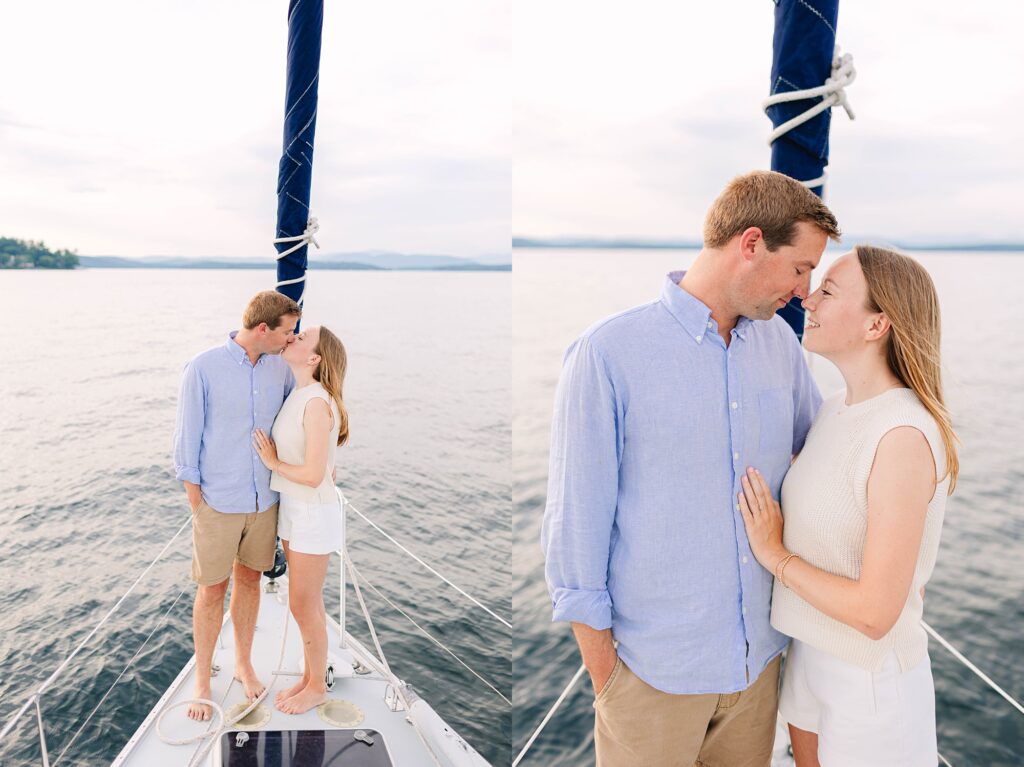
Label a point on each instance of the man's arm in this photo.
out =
(598, 653)
(582, 495)
(188, 433)
(194, 494)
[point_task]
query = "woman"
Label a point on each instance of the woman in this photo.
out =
(312, 423)
(864, 503)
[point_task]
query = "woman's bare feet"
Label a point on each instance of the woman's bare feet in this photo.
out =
(200, 712)
(294, 690)
(303, 701)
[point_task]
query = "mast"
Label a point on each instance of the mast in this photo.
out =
(295, 226)
(808, 77)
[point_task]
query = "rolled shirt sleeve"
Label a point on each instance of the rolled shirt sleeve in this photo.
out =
(188, 431)
(582, 489)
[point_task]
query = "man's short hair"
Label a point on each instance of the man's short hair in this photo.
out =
(773, 202)
(268, 306)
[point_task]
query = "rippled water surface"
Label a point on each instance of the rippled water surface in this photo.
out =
(976, 597)
(88, 386)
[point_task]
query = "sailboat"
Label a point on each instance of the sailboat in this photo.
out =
(372, 717)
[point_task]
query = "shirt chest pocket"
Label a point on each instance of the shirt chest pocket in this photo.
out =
(775, 422)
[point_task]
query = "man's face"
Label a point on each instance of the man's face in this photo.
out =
(275, 341)
(776, 277)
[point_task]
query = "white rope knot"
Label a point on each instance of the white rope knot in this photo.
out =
(832, 93)
(307, 237)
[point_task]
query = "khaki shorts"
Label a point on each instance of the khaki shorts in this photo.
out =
(636, 724)
(219, 539)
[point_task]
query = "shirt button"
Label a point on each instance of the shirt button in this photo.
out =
(744, 560)
(255, 391)
(698, 337)
(737, 507)
(734, 406)
(709, 324)
(735, 456)
(744, 610)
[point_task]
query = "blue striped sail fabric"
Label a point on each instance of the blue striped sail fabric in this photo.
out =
(802, 50)
(295, 173)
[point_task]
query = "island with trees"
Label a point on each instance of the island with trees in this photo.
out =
(25, 254)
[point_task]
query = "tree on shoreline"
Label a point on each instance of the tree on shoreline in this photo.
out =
(26, 254)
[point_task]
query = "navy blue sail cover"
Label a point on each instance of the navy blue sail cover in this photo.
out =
(802, 51)
(295, 173)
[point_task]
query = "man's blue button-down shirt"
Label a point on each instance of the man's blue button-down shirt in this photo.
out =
(655, 421)
(224, 399)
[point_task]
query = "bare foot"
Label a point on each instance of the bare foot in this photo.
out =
(294, 690)
(200, 712)
(246, 674)
(303, 701)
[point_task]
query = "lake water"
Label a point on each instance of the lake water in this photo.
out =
(88, 389)
(976, 597)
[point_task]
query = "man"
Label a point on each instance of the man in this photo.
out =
(659, 411)
(228, 392)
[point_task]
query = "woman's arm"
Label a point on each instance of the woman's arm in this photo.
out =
(901, 483)
(317, 420)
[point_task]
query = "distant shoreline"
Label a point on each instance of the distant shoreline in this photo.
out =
(623, 244)
(115, 262)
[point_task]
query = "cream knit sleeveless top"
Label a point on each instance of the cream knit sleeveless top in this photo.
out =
(824, 504)
(290, 437)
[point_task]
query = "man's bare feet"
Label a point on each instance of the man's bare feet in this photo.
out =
(246, 674)
(302, 702)
(200, 712)
(293, 690)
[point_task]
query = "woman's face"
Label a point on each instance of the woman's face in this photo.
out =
(838, 321)
(300, 351)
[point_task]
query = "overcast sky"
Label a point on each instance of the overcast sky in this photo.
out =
(633, 116)
(153, 127)
(139, 127)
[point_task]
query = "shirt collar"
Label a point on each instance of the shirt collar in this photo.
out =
(691, 312)
(238, 354)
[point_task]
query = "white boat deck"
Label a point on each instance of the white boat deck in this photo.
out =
(365, 691)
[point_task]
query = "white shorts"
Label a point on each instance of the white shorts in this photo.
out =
(310, 528)
(884, 718)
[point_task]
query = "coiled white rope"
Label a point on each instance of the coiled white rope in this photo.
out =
(211, 734)
(832, 93)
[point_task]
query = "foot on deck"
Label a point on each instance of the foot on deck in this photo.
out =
(303, 701)
(293, 690)
(246, 674)
(200, 712)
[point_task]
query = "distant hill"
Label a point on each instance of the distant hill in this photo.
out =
(362, 261)
(26, 254)
(622, 243)
(159, 262)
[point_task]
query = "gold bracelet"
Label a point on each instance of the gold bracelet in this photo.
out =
(782, 573)
(781, 563)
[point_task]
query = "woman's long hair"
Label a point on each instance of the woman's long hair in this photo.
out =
(901, 288)
(331, 374)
